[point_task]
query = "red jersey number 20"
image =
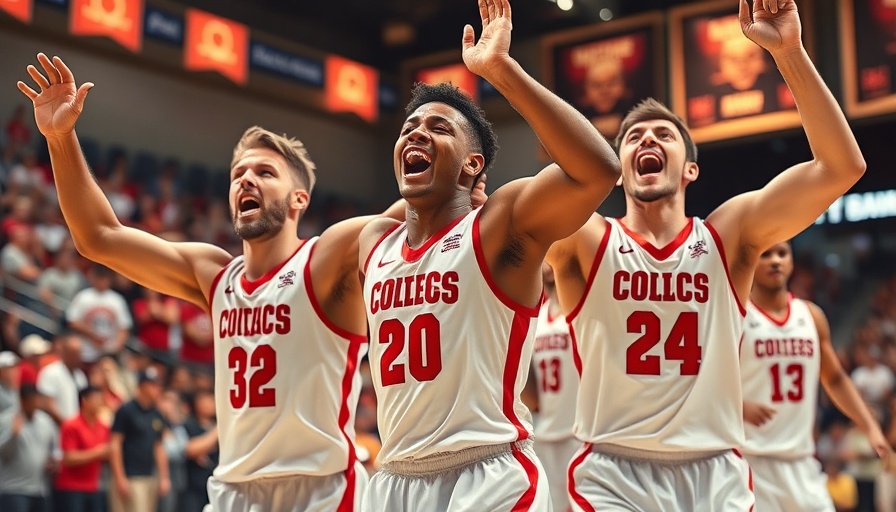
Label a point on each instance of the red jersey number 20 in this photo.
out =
(422, 336)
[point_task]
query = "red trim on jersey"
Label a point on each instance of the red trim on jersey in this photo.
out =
(576, 358)
(571, 483)
(250, 286)
(347, 504)
(519, 329)
(211, 291)
(377, 244)
(766, 314)
(749, 477)
(499, 293)
(528, 497)
(665, 251)
(411, 255)
(718, 241)
(309, 287)
(598, 256)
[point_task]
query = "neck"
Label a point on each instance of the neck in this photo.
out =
(659, 222)
(423, 221)
(262, 255)
(89, 416)
(771, 300)
(143, 400)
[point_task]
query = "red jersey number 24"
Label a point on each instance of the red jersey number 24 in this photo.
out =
(682, 344)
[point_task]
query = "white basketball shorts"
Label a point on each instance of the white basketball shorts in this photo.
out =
(555, 457)
(785, 485)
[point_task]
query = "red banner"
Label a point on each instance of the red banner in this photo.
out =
(456, 74)
(216, 44)
(120, 20)
(20, 9)
(351, 87)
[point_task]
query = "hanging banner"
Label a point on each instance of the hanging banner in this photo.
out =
(20, 9)
(351, 87)
(216, 44)
(456, 74)
(119, 20)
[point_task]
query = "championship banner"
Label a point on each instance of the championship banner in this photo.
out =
(119, 20)
(216, 44)
(20, 9)
(456, 74)
(351, 87)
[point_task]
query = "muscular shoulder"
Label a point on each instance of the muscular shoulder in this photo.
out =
(371, 234)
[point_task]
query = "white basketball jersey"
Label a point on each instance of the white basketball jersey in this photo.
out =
(780, 362)
(286, 379)
(449, 352)
(657, 332)
(556, 377)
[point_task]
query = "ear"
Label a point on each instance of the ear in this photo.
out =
(691, 171)
(474, 165)
(300, 200)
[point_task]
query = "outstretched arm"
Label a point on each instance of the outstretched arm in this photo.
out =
(587, 167)
(794, 199)
(843, 392)
(183, 270)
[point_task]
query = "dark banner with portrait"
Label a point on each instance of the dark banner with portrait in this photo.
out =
(723, 84)
(868, 36)
(605, 69)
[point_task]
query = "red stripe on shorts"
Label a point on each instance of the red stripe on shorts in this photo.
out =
(347, 504)
(571, 483)
(528, 497)
(749, 478)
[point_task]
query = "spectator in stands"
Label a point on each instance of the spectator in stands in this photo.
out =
(886, 482)
(198, 347)
(201, 451)
(26, 456)
(107, 376)
(61, 380)
(59, 284)
(841, 486)
(121, 194)
(155, 315)
(137, 457)
(101, 315)
(863, 463)
(175, 440)
(84, 441)
(18, 134)
(874, 380)
(28, 178)
(20, 271)
(50, 229)
(9, 388)
(32, 348)
(180, 380)
(21, 213)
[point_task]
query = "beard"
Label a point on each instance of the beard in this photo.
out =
(272, 218)
(650, 195)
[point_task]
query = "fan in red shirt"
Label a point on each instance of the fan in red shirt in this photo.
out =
(198, 337)
(85, 446)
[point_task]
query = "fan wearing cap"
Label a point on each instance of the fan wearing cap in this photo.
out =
(137, 459)
(33, 347)
(27, 444)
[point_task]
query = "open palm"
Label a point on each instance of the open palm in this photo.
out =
(772, 24)
(494, 43)
(59, 102)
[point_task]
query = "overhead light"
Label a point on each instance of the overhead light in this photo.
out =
(564, 4)
(606, 14)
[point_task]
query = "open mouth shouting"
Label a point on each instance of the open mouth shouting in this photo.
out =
(648, 161)
(415, 160)
(248, 205)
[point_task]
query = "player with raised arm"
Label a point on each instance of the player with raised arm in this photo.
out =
(655, 299)
(288, 317)
(452, 293)
(786, 351)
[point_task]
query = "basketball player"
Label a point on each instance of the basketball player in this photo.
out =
(452, 294)
(655, 299)
(786, 350)
(557, 383)
(289, 321)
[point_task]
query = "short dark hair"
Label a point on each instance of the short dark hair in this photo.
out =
(479, 128)
(650, 110)
(88, 390)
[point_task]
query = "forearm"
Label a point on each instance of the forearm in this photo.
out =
(81, 457)
(571, 140)
(847, 398)
(161, 460)
(200, 446)
(116, 464)
(830, 138)
(77, 188)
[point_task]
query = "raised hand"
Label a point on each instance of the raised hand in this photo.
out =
(772, 24)
(59, 102)
(492, 49)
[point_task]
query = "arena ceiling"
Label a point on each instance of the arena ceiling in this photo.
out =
(385, 32)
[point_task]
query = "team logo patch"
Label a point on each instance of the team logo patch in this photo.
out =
(287, 279)
(452, 242)
(698, 249)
